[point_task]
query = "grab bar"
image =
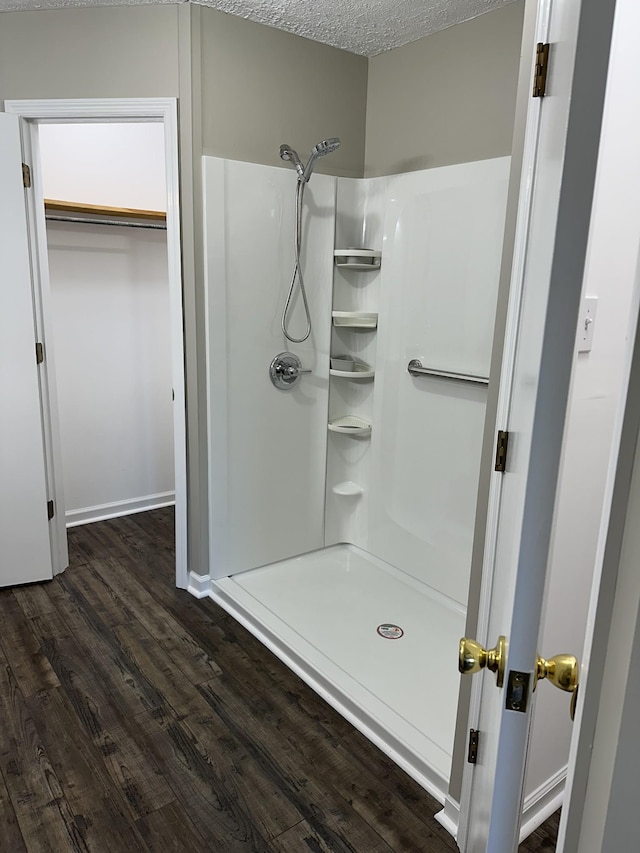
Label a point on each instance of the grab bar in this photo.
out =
(415, 368)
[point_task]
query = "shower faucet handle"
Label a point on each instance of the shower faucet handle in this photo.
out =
(291, 370)
(285, 370)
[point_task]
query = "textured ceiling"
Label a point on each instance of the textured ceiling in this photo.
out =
(366, 27)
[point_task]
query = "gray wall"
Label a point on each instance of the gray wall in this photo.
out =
(447, 98)
(106, 52)
(262, 87)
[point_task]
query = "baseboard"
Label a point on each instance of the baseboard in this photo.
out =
(542, 803)
(89, 514)
(199, 585)
(538, 806)
(449, 817)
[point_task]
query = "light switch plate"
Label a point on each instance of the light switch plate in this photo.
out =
(587, 323)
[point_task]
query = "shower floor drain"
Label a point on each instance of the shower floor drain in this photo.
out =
(390, 632)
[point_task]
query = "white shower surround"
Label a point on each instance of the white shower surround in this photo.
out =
(440, 232)
(267, 446)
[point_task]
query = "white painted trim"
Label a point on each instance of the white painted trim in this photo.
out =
(449, 817)
(199, 585)
(523, 218)
(43, 314)
(542, 803)
(143, 109)
(83, 109)
(115, 509)
(329, 690)
(538, 806)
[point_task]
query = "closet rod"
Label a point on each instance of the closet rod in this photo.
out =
(160, 226)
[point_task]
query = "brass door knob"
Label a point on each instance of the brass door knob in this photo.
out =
(472, 657)
(562, 671)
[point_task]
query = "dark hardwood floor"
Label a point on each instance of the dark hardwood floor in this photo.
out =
(135, 718)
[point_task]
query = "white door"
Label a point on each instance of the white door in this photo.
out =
(537, 389)
(25, 551)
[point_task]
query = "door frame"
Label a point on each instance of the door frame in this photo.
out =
(503, 358)
(87, 110)
(584, 102)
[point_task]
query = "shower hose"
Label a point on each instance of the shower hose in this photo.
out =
(297, 271)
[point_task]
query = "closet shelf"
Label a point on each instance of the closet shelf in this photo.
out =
(73, 207)
(355, 319)
(350, 425)
(358, 259)
(97, 214)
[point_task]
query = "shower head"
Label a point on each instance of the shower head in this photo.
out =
(288, 153)
(326, 146)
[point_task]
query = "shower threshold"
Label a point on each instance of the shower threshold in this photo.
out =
(320, 614)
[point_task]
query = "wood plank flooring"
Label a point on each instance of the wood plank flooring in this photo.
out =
(135, 718)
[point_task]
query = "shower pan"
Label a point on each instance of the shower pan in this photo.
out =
(342, 511)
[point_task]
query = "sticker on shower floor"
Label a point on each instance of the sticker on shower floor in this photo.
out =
(390, 632)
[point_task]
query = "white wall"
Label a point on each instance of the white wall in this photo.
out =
(267, 446)
(119, 165)
(110, 304)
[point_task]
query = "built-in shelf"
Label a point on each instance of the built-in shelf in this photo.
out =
(355, 319)
(358, 259)
(350, 425)
(347, 488)
(360, 371)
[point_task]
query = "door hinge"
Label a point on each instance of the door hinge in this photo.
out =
(502, 444)
(26, 175)
(50, 510)
(39, 353)
(474, 737)
(540, 70)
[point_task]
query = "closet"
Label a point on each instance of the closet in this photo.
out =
(105, 197)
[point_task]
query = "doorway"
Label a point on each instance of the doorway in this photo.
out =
(41, 121)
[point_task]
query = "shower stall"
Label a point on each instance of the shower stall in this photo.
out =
(342, 497)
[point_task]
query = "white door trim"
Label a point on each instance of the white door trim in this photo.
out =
(607, 662)
(140, 109)
(507, 369)
(570, 124)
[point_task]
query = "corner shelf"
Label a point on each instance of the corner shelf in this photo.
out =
(350, 425)
(348, 488)
(358, 259)
(355, 319)
(360, 371)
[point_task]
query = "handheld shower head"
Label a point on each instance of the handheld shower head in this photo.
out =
(326, 146)
(288, 153)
